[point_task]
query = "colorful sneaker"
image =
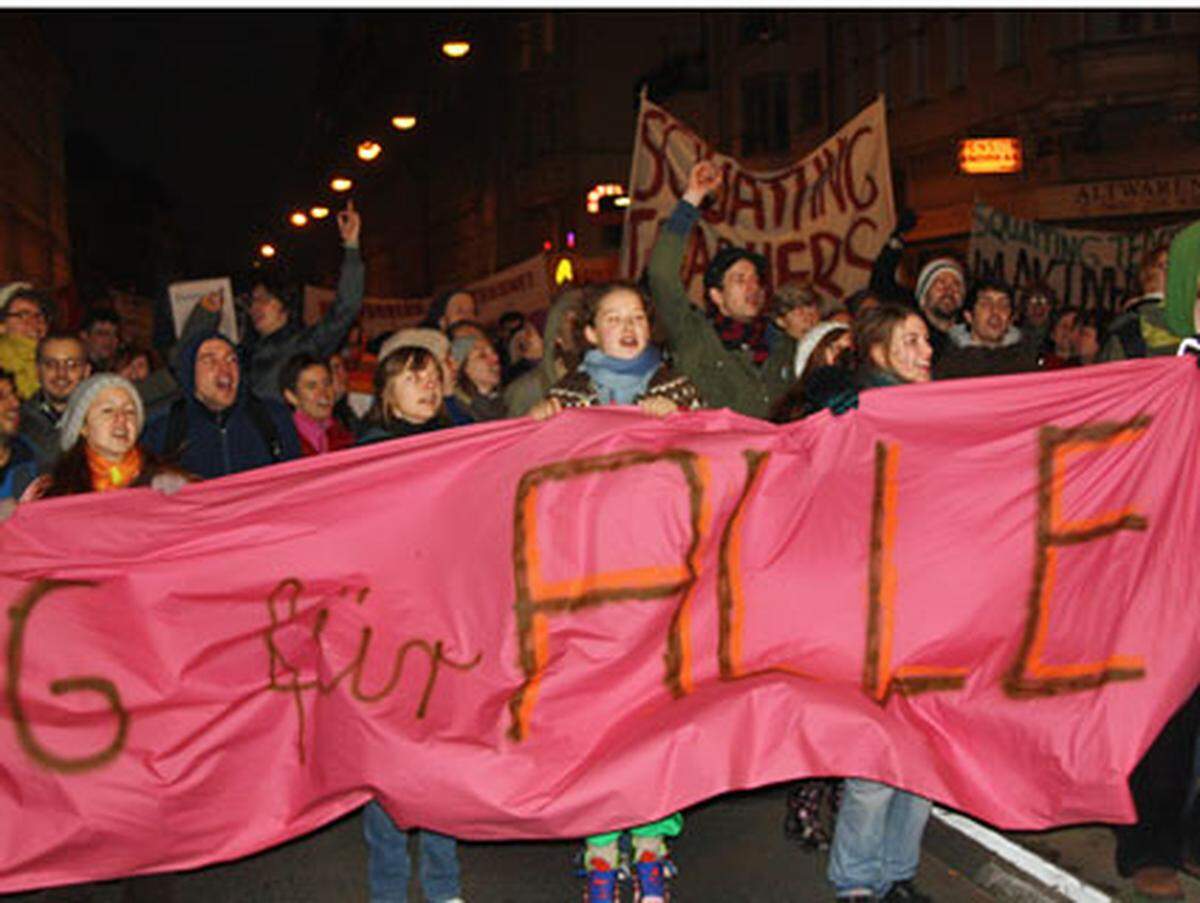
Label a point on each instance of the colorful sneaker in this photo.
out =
(601, 886)
(650, 880)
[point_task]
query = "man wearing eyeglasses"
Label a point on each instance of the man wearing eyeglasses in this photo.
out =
(24, 319)
(62, 364)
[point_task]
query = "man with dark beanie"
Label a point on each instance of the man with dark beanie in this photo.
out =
(724, 350)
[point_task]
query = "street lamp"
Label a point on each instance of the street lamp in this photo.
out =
(404, 122)
(368, 151)
(341, 184)
(298, 219)
(266, 250)
(319, 212)
(456, 49)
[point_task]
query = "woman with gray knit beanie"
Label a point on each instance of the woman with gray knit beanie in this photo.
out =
(99, 437)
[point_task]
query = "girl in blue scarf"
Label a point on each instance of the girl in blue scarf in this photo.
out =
(621, 367)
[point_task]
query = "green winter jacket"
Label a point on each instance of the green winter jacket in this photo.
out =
(726, 378)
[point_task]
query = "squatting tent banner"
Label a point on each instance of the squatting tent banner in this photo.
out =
(822, 218)
(1089, 269)
(982, 591)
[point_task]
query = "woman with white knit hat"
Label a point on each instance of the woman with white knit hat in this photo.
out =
(99, 435)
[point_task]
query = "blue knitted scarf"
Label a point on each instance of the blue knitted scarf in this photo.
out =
(621, 381)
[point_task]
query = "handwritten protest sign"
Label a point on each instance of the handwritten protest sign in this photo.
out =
(186, 295)
(822, 218)
(1089, 269)
(523, 287)
(905, 592)
(380, 316)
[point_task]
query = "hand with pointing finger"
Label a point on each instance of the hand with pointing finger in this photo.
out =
(349, 222)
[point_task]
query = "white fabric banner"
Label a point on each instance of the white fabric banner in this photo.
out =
(523, 287)
(379, 315)
(186, 295)
(822, 218)
(1088, 268)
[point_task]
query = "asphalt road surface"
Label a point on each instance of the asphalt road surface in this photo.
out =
(732, 850)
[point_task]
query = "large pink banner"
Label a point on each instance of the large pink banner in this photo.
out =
(983, 591)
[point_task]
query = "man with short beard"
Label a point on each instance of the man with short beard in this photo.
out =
(941, 286)
(62, 364)
(101, 333)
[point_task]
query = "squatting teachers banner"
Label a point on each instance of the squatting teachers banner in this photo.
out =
(822, 218)
(520, 629)
(1089, 269)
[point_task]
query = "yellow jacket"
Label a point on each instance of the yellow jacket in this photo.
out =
(18, 355)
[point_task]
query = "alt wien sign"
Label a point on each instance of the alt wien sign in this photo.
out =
(980, 156)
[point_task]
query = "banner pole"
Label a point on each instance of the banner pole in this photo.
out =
(625, 266)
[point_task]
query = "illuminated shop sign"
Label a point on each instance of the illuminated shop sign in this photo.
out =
(978, 156)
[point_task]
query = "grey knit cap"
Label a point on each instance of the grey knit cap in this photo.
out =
(81, 399)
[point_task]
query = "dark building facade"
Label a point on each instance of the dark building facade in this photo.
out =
(34, 245)
(512, 138)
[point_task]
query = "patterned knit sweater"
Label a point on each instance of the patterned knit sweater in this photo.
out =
(576, 389)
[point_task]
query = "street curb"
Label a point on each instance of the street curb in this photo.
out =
(1004, 869)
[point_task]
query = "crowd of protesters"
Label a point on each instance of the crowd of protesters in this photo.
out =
(85, 412)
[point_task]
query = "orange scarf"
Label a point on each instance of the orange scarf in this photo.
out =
(109, 475)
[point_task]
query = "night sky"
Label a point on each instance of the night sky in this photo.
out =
(213, 104)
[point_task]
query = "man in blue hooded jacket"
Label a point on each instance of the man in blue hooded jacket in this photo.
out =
(218, 428)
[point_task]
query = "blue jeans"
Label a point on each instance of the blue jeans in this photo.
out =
(387, 860)
(877, 840)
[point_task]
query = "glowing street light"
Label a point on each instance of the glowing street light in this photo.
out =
(319, 212)
(368, 151)
(456, 49)
(341, 183)
(266, 250)
(404, 123)
(298, 219)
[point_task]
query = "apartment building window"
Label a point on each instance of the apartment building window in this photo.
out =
(956, 51)
(1106, 24)
(918, 47)
(883, 56)
(1010, 39)
(524, 46)
(760, 27)
(846, 81)
(810, 99)
(765, 114)
(1160, 20)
